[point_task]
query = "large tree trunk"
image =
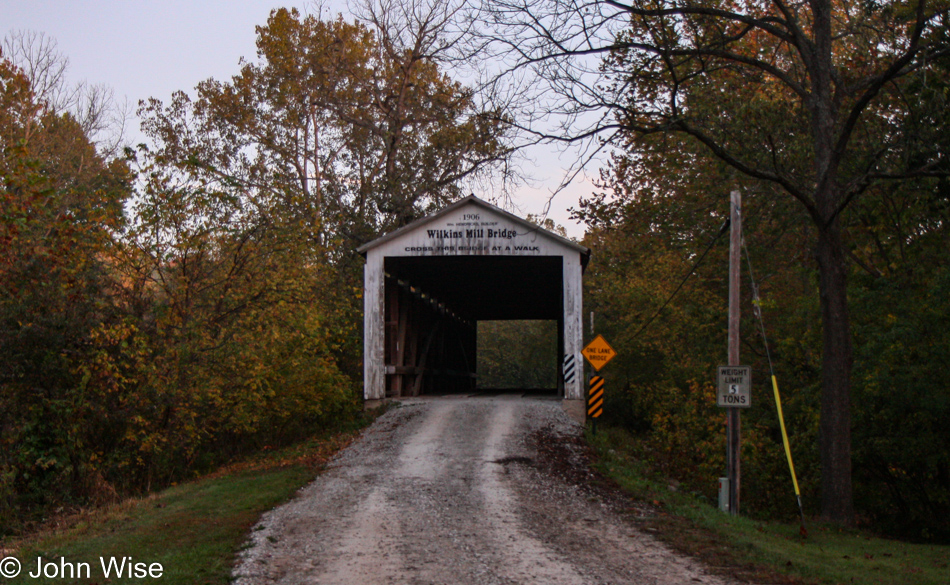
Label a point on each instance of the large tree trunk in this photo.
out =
(835, 430)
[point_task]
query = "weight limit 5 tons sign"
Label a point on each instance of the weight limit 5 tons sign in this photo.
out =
(735, 386)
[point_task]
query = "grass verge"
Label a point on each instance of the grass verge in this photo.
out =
(192, 531)
(765, 551)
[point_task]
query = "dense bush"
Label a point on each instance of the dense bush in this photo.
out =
(901, 435)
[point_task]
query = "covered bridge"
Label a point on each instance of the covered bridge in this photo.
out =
(427, 285)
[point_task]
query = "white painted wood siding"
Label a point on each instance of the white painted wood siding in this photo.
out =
(374, 328)
(574, 323)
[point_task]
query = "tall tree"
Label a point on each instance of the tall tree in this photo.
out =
(338, 124)
(95, 108)
(811, 97)
(60, 205)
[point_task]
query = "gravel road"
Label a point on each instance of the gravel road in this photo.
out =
(447, 491)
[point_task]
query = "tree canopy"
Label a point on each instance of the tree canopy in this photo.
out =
(337, 125)
(810, 100)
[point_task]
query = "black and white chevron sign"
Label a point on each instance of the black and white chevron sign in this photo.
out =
(568, 369)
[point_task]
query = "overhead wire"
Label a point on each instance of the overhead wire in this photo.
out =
(722, 230)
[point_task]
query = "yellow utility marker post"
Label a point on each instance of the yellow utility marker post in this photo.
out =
(757, 310)
(788, 454)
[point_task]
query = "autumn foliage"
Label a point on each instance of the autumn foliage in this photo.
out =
(137, 353)
(649, 235)
(198, 298)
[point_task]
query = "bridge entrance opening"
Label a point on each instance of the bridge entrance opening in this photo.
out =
(429, 287)
(518, 355)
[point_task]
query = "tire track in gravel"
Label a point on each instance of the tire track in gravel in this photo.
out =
(523, 558)
(441, 491)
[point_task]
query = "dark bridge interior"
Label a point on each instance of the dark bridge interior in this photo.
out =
(487, 287)
(433, 304)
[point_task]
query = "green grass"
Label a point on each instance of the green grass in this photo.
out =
(767, 551)
(192, 530)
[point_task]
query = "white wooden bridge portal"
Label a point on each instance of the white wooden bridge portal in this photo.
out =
(427, 285)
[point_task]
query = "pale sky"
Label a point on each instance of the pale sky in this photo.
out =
(151, 49)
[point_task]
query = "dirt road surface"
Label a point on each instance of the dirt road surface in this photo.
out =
(450, 491)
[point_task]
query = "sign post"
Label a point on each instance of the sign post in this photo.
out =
(732, 411)
(598, 352)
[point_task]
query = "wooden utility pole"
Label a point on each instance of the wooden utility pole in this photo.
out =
(732, 413)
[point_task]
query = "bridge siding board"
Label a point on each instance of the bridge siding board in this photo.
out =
(573, 322)
(374, 329)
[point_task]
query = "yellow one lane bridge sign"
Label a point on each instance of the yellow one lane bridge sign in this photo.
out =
(598, 352)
